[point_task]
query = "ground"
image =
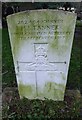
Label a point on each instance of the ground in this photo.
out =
(16, 109)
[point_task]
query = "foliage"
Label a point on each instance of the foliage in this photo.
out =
(8, 77)
(79, 23)
(48, 5)
(38, 110)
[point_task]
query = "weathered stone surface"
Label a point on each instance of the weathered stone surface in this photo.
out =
(41, 42)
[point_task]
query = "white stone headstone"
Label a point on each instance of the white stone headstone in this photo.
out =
(41, 42)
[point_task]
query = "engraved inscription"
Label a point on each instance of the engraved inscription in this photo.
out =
(39, 29)
(37, 21)
(41, 62)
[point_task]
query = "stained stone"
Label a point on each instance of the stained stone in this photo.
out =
(41, 42)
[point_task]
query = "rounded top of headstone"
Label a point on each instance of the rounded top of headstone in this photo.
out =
(43, 10)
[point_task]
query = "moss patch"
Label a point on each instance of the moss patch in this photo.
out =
(52, 91)
(25, 90)
(65, 33)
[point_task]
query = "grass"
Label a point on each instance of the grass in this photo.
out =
(25, 109)
(42, 110)
(7, 61)
(79, 23)
(73, 81)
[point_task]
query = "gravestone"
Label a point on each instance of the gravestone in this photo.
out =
(41, 42)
